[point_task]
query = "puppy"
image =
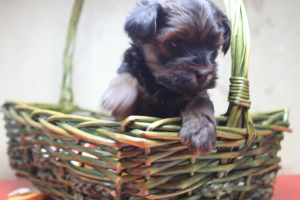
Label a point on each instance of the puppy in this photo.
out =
(170, 65)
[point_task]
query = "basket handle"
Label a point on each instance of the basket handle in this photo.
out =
(66, 97)
(239, 98)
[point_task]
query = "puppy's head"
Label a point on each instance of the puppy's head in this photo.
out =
(180, 40)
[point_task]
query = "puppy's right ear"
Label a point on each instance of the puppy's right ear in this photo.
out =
(226, 34)
(141, 23)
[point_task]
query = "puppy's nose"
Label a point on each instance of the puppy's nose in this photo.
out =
(201, 76)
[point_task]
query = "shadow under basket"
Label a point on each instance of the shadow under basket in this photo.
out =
(71, 153)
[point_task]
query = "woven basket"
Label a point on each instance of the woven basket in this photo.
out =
(72, 153)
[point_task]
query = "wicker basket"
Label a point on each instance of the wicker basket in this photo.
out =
(72, 153)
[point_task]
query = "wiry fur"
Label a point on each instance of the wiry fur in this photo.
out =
(170, 65)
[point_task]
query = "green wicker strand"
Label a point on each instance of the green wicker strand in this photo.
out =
(240, 50)
(66, 97)
(239, 89)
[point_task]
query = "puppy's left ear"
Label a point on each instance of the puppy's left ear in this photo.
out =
(141, 23)
(226, 34)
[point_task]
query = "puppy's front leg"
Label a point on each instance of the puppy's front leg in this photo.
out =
(198, 130)
(121, 95)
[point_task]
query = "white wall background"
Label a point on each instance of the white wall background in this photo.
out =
(32, 39)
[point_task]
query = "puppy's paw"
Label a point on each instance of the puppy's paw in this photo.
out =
(120, 96)
(199, 134)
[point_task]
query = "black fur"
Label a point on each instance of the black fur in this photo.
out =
(170, 65)
(135, 64)
(141, 24)
(227, 34)
(156, 103)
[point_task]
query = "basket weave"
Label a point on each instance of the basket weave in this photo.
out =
(71, 153)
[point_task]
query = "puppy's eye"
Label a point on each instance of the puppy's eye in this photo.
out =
(175, 43)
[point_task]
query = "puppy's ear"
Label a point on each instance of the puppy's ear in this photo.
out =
(141, 23)
(226, 34)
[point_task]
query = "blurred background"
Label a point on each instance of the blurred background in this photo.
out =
(32, 39)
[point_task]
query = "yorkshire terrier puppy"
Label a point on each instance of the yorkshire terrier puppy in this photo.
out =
(170, 65)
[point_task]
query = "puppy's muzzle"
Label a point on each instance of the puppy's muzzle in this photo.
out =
(184, 82)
